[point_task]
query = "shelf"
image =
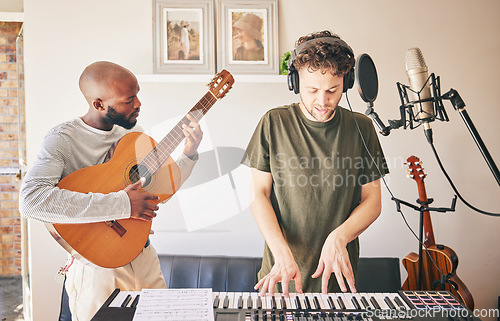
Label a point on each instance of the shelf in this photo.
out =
(12, 16)
(148, 78)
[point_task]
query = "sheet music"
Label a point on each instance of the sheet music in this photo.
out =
(175, 305)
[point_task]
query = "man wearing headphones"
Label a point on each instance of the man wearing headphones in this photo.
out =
(316, 169)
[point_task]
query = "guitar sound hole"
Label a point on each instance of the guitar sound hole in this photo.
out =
(138, 171)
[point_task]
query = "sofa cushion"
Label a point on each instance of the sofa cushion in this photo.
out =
(221, 273)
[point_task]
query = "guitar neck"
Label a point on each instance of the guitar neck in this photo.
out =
(416, 172)
(169, 143)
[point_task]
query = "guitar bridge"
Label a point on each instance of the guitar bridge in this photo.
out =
(120, 230)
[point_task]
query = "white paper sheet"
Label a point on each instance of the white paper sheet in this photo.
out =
(175, 305)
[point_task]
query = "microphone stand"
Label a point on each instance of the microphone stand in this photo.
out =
(459, 105)
(370, 112)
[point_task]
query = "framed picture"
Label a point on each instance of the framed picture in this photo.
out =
(248, 36)
(184, 36)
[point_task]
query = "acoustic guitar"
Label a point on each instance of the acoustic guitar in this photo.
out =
(115, 243)
(440, 274)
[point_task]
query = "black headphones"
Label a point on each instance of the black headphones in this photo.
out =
(293, 75)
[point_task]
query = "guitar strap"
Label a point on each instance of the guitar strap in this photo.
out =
(111, 151)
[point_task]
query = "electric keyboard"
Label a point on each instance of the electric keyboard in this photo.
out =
(309, 301)
(250, 306)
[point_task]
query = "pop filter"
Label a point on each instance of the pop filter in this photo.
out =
(367, 79)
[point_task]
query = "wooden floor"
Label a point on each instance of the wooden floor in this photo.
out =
(11, 299)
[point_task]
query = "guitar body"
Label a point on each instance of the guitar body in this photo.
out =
(440, 272)
(447, 261)
(98, 242)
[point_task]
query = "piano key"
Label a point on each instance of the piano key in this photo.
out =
(233, 300)
(355, 302)
(126, 301)
(225, 302)
(273, 303)
(366, 303)
(380, 300)
(280, 301)
(249, 302)
(136, 301)
(323, 300)
(316, 299)
(276, 301)
(266, 302)
(331, 302)
(285, 302)
(341, 303)
(292, 301)
(222, 299)
(215, 300)
(298, 303)
(373, 301)
(401, 304)
(230, 300)
(363, 303)
(238, 300)
(307, 301)
(347, 300)
(388, 301)
(254, 296)
(399, 301)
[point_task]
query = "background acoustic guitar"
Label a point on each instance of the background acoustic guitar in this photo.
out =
(116, 243)
(441, 275)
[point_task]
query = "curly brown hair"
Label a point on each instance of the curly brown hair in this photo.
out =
(324, 56)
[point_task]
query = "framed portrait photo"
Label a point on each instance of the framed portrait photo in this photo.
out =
(183, 35)
(247, 36)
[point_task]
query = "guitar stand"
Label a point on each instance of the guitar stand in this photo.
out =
(424, 208)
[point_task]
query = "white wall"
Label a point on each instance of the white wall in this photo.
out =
(11, 6)
(459, 40)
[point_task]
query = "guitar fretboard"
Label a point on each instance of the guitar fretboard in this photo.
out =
(162, 151)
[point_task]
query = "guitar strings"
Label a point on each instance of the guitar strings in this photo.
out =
(171, 144)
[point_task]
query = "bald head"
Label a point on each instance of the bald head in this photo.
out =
(111, 92)
(98, 80)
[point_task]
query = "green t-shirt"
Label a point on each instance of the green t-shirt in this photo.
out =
(318, 169)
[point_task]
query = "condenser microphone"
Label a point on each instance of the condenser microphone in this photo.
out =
(416, 69)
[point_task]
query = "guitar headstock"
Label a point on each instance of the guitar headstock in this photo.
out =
(221, 84)
(415, 169)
